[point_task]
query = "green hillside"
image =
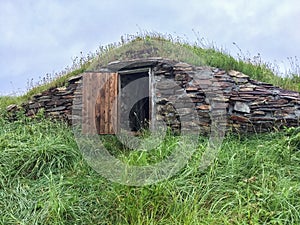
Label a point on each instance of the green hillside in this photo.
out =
(44, 178)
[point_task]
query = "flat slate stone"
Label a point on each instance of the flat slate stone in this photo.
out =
(11, 107)
(75, 78)
(237, 74)
(241, 107)
(60, 108)
(131, 64)
(239, 118)
(204, 107)
(261, 113)
(181, 64)
(297, 113)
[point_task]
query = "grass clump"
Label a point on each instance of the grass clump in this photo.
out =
(44, 180)
(39, 146)
(255, 68)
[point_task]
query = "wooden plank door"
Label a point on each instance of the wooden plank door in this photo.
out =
(99, 99)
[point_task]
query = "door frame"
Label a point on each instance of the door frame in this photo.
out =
(151, 92)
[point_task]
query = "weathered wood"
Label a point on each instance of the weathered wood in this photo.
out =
(88, 99)
(99, 94)
(108, 99)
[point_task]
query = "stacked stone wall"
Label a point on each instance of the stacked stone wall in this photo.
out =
(249, 105)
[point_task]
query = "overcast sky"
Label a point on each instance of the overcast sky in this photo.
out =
(43, 36)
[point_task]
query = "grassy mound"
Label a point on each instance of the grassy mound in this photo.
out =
(45, 180)
(210, 55)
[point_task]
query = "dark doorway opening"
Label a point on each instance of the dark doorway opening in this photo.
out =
(139, 115)
(134, 102)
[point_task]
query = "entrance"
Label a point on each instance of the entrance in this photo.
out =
(134, 100)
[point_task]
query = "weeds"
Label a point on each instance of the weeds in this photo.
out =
(44, 180)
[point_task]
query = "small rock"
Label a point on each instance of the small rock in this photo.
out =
(45, 97)
(261, 113)
(11, 107)
(220, 99)
(204, 107)
(263, 119)
(31, 112)
(241, 80)
(246, 89)
(219, 105)
(241, 107)
(237, 74)
(220, 73)
(216, 70)
(181, 77)
(60, 108)
(239, 118)
(180, 64)
(240, 99)
(191, 89)
(37, 95)
(75, 78)
(54, 114)
(61, 89)
(35, 105)
(280, 114)
(275, 92)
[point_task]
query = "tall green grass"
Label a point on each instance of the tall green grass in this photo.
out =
(44, 180)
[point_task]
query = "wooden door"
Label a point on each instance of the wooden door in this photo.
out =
(99, 100)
